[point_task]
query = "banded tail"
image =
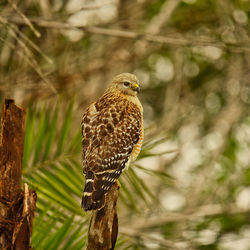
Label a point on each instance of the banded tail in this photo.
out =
(96, 186)
(92, 198)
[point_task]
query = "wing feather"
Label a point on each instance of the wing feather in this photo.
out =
(111, 128)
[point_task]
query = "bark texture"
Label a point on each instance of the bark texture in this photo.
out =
(103, 228)
(17, 207)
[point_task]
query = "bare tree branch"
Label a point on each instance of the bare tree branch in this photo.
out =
(166, 12)
(203, 211)
(25, 19)
(167, 244)
(173, 41)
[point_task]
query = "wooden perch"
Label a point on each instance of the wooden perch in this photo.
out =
(103, 228)
(17, 207)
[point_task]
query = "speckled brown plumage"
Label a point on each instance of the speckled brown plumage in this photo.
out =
(112, 130)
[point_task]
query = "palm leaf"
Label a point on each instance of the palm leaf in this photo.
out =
(51, 132)
(56, 239)
(65, 129)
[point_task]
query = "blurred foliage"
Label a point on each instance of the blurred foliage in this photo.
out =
(189, 188)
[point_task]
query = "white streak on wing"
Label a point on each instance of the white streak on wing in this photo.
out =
(89, 180)
(105, 171)
(87, 193)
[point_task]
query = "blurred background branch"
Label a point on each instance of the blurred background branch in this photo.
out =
(178, 40)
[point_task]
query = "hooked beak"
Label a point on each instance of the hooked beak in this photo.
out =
(136, 88)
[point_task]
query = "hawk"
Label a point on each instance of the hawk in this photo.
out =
(112, 130)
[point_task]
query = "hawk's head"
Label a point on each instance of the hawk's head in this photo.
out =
(127, 83)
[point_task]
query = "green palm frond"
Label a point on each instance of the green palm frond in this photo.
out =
(65, 129)
(52, 167)
(67, 235)
(157, 173)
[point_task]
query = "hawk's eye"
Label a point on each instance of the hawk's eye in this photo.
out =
(126, 84)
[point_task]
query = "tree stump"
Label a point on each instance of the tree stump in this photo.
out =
(17, 207)
(103, 227)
